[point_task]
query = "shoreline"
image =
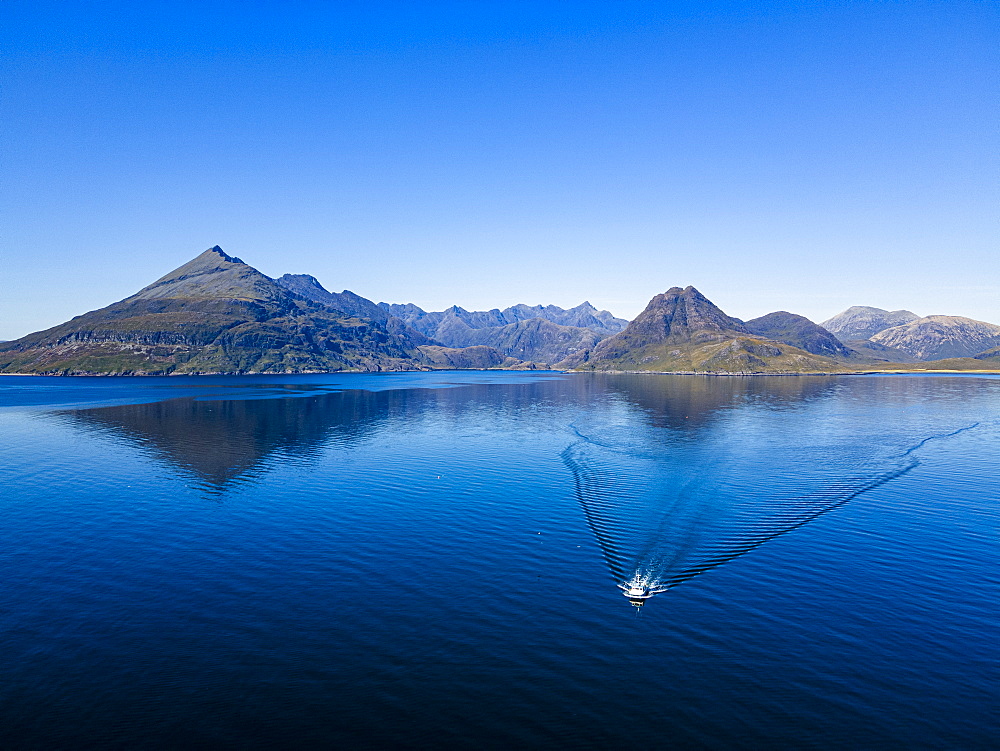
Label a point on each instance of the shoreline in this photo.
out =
(784, 374)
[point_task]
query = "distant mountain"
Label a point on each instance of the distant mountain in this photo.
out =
(542, 334)
(584, 315)
(940, 337)
(800, 332)
(214, 314)
(862, 322)
(681, 330)
(535, 340)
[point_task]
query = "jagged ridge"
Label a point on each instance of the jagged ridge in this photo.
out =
(214, 314)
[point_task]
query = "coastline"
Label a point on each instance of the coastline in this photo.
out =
(783, 373)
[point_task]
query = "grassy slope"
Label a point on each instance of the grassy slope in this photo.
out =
(182, 336)
(739, 354)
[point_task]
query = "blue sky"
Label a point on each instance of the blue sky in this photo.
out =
(804, 156)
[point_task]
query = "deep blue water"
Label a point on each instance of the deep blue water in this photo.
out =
(433, 560)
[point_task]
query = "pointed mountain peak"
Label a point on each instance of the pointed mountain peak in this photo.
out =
(212, 273)
(678, 313)
(215, 250)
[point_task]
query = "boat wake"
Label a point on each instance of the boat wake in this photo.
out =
(663, 517)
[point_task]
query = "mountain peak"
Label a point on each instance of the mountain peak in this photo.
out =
(938, 337)
(212, 273)
(798, 331)
(682, 331)
(863, 322)
(216, 250)
(677, 315)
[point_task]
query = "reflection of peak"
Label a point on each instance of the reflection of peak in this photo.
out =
(220, 441)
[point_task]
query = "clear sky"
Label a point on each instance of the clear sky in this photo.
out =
(804, 156)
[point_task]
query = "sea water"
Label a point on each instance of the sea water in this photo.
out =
(432, 560)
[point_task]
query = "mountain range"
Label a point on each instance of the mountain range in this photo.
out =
(217, 314)
(906, 337)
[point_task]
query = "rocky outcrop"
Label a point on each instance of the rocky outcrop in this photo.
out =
(861, 322)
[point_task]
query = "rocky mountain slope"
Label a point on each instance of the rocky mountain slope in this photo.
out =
(540, 334)
(939, 337)
(346, 301)
(876, 353)
(436, 324)
(535, 340)
(216, 314)
(681, 330)
(351, 304)
(862, 322)
(800, 332)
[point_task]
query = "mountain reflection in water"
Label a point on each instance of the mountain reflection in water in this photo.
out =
(665, 486)
(221, 440)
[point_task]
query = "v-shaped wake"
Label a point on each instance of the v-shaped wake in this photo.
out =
(664, 518)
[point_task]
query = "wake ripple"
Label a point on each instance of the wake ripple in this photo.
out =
(662, 520)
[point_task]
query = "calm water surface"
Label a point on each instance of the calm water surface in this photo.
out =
(435, 560)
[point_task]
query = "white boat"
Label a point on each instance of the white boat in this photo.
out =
(637, 592)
